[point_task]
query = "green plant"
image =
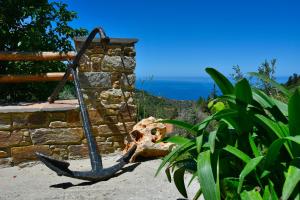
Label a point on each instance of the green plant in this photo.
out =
(253, 153)
(34, 26)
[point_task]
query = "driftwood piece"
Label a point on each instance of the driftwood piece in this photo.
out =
(145, 134)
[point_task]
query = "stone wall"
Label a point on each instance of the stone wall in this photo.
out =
(107, 80)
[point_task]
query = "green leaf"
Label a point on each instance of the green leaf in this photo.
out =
(292, 179)
(238, 153)
(193, 177)
(180, 124)
(254, 148)
(250, 195)
(179, 140)
(250, 166)
(198, 194)
(168, 173)
(272, 82)
(243, 91)
(174, 154)
(199, 141)
(212, 140)
(294, 113)
(223, 83)
(274, 149)
(179, 181)
(206, 177)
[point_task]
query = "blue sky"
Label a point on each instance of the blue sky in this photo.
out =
(181, 38)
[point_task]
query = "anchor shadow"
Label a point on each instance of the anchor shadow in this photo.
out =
(67, 185)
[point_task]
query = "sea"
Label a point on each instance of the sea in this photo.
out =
(181, 88)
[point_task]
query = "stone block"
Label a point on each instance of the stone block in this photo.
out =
(127, 81)
(5, 121)
(8, 139)
(57, 136)
(114, 63)
(129, 51)
(38, 119)
(27, 153)
(73, 118)
(78, 151)
(95, 79)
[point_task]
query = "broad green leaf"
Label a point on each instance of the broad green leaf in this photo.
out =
(199, 141)
(180, 124)
(223, 83)
(264, 100)
(251, 195)
(294, 113)
(254, 148)
(179, 181)
(250, 166)
(272, 192)
(238, 153)
(212, 140)
(179, 140)
(206, 177)
(291, 180)
(267, 194)
(272, 82)
(283, 107)
(243, 91)
(173, 154)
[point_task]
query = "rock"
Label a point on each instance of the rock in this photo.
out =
(21, 154)
(37, 119)
(58, 124)
(95, 79)
(57, 136)
(145, 134)
(114, 63)
(8, 139)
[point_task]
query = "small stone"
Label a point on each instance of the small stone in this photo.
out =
(20, 120)
(57, 116)
(8, 139)
(58, 124)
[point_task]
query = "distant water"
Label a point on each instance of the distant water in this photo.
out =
(181, 88)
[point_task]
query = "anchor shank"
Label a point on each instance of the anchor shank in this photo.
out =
(96, 161)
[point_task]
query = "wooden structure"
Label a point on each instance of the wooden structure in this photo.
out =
(35, 56)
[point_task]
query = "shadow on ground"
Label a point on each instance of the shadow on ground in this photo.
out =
(67, 185)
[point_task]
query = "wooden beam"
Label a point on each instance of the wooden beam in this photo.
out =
(36, 56)
(57, 76)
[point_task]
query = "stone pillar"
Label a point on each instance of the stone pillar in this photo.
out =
(107, 79)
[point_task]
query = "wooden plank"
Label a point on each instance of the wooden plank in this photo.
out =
(36, 56)
(54, 76)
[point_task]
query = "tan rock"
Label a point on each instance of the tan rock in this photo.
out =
(58, 124)
(5, 162)
(8, 139)
(21, 154)
(145, 134)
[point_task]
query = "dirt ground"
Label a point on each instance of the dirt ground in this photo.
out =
(136, 183)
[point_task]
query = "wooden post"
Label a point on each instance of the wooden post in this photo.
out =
(57, 76)
(36, 56)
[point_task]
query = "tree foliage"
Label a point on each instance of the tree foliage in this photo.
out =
(34, 25)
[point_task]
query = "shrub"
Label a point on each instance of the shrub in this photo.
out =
(253, 153)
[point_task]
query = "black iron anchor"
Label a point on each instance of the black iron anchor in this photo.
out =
(98, 173)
